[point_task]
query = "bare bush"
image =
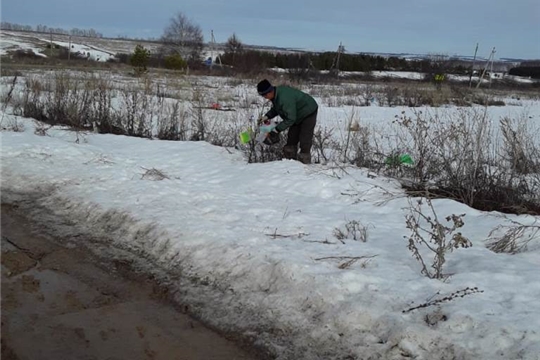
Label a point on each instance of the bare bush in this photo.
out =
(135, 114)
(418, 132)
(224, 132)
(66, 102)
(354, 230)
(31, 103)
(520, 151)
(12, 124)
(199, 126)
(427, 232)
(6, 99)
(515, 237)
(322, 144)
(350, 129)
(459, 157)
(463, 148)
(364, 149)
(101, 114)
(41, 129)
(259, 153)
(391, 96)
(87, 103)
(358, 144)
(368, 95)
(487, 100)
(173, 125)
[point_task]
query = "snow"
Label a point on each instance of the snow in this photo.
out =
(89, 52)
(7, 45)
(411, 75)
(399, 74)
(261, 237)
(15, 41)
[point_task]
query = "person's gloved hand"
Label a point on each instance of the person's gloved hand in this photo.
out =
(263, 120)
(272, 137)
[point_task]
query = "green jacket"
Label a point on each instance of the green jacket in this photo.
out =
(292, 105)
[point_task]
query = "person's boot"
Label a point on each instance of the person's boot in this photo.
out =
(304, 158)
(289, 152)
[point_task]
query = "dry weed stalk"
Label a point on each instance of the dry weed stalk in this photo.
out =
(349, 260)
(457, 294)
(154, 174)
(354, 230)
(428, 232)
(515, 238)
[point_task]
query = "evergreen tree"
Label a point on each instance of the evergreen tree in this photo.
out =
(175, 62)
(139, 59)
(234, 46)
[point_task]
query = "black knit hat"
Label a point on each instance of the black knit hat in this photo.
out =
(264, 87)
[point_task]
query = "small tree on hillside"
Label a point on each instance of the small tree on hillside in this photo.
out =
(175, 62)
(139, 59)
(183, 37)
(234, 46)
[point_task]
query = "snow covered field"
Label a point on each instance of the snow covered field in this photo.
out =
(267, 250)
(13, 44)
(99, 49)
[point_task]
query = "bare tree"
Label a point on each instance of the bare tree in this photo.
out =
(183, 37)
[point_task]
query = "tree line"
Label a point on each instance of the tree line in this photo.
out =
(527, 71)
(251, 60)
(182, 44)
(45, 29)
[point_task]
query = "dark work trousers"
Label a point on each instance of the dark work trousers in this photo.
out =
(301, 133)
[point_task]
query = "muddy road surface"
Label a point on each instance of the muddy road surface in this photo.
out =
(61, 302)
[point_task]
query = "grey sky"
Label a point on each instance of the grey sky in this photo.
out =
(399, 26)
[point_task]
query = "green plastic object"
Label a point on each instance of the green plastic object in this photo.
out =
(406, 159)
(245, 137)
(395, 160)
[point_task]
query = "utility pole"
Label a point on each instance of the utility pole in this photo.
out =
(491, 68)
(69, 48)
(335, 65)
(489, 61)
(473, 63)
(51, 44)
(212, 47)
(340, 50)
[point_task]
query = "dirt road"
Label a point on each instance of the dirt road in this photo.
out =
(60, 302)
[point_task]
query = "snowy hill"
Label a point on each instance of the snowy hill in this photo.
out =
(100, 47)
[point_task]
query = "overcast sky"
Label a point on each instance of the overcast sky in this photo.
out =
(398, 26)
